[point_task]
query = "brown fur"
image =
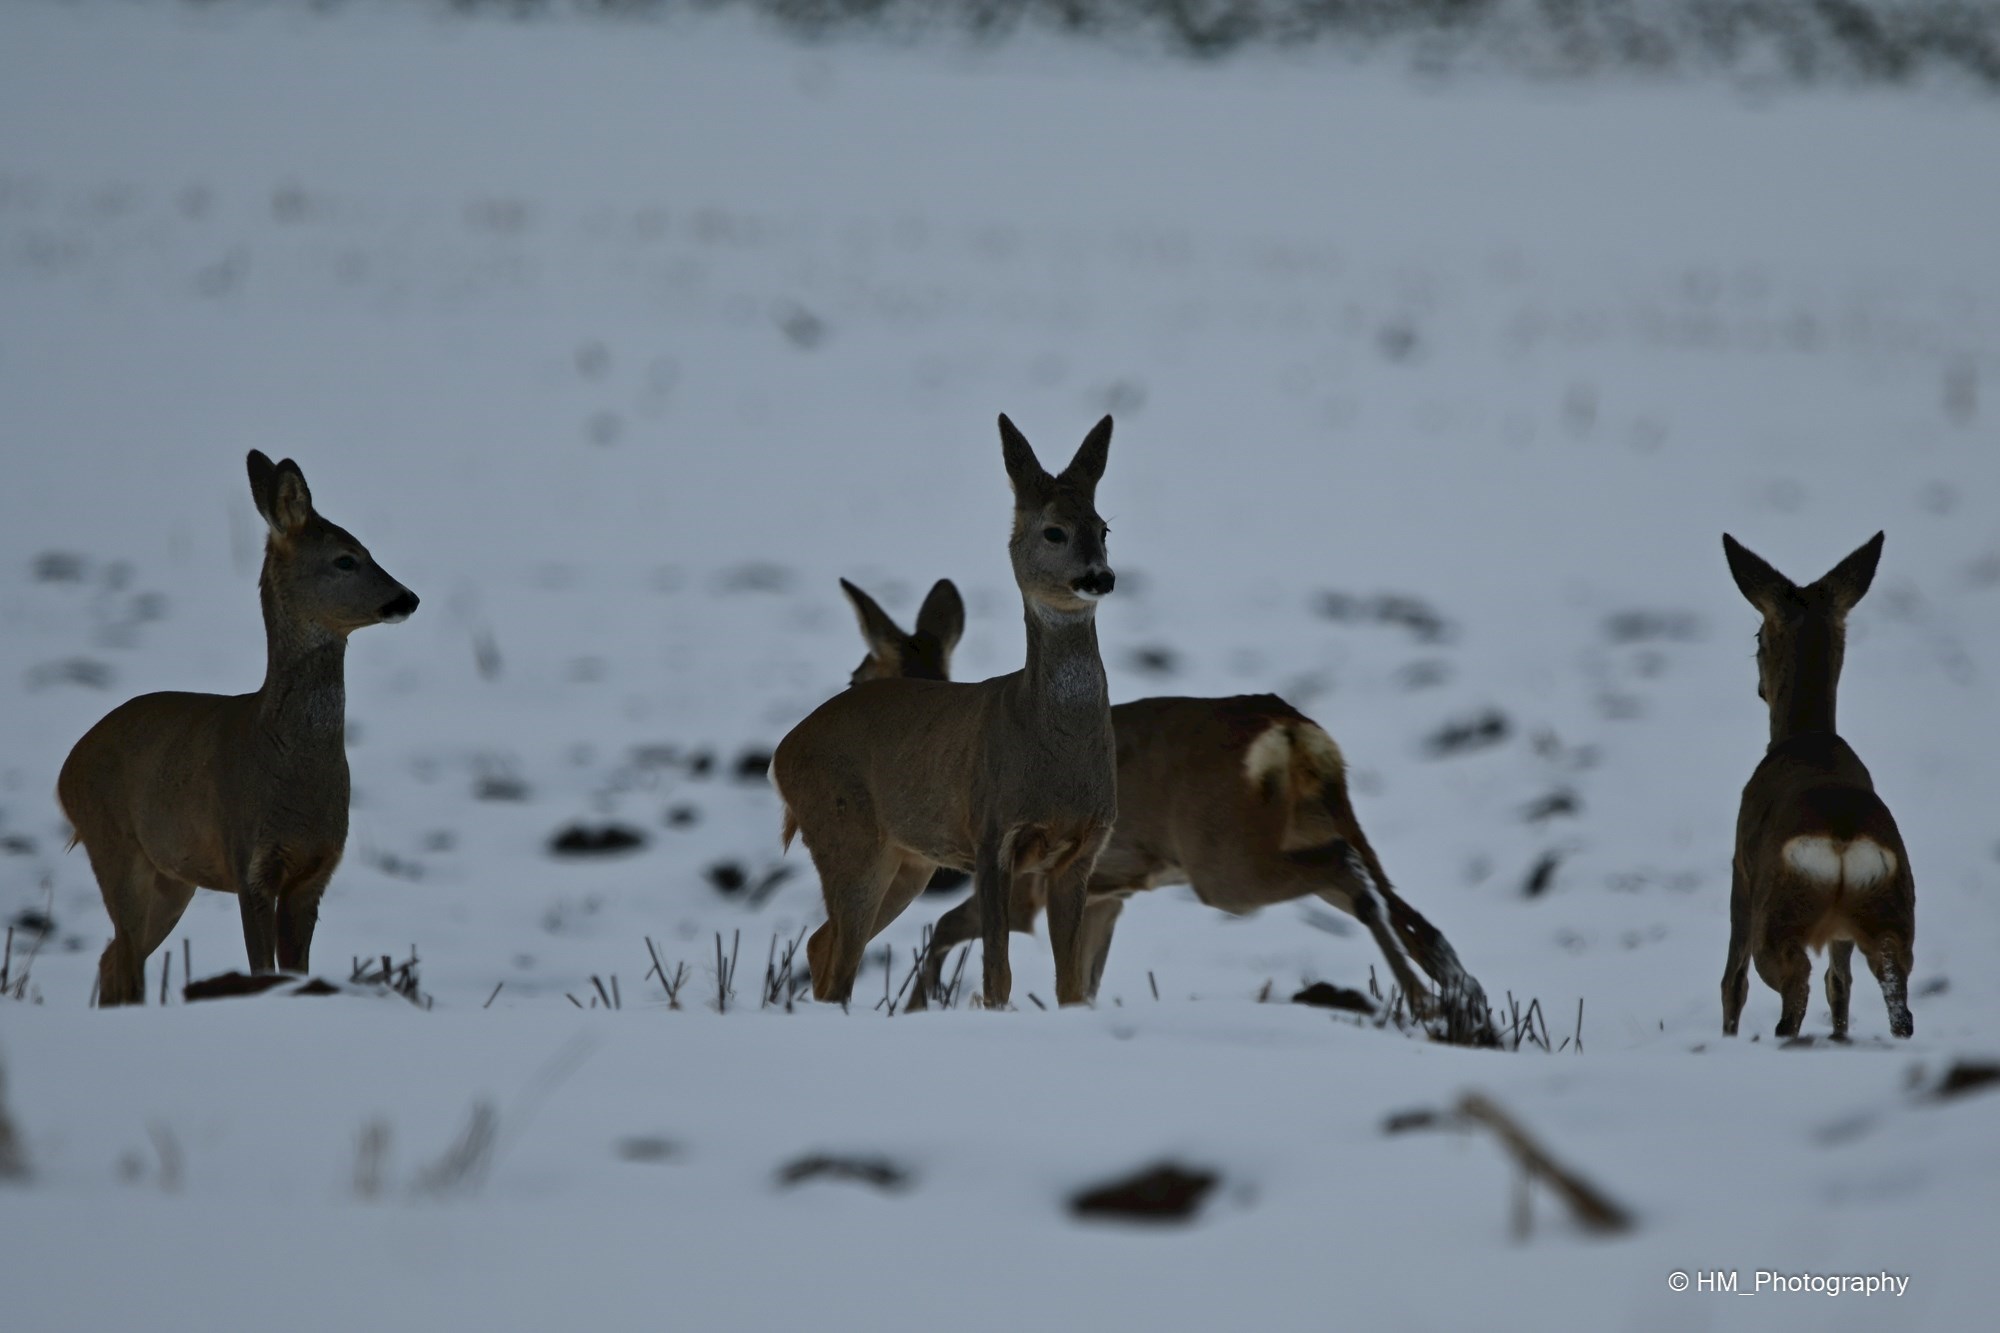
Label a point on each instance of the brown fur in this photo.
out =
(243, 793)
(1811, 784)
(1243, 798)
(1011, 778)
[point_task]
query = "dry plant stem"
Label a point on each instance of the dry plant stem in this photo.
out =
(1593, 1209)
(166, 971)
(725, 970)
(602, 993)
(20, 991)
(13, 1157)
(957, 976)
(495, 995)
(463, 1166)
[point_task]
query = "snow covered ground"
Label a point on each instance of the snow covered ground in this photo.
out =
(618, 343)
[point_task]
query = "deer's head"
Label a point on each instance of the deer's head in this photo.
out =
(925, 653)
(315, 571)
(1803, 640)
(1058, 542)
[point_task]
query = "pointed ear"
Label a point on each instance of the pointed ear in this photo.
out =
(1087, 468)
(1030, 480)
(942, 616)
(1768, 590)
(1844, 584)
(881, 634)
(263, 481)
(280, 492)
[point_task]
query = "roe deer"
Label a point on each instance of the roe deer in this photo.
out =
(244, 793)
(1244, 799)
(1012, 778)
(1818, 858)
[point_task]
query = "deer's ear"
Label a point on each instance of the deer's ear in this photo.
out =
(942, 617)
(884, 639)
(263, 481)
(1846, 582)
(281, 493)
(1087, 468)
(1030, 479)
(1767, 589)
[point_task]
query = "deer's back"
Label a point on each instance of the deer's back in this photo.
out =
(1182, 789)
(1811, 783)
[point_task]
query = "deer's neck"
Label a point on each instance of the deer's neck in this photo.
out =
(1064, 675)
(1804, 703)
(304, 696)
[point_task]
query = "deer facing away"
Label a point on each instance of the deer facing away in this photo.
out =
(1245, 799)
(1819, 861)
(244, 793)
(1011, 778)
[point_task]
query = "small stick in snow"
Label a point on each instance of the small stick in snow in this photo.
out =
(617, 999)
(1038, 1001)
(1151, 981)
(495, 995)
(166, 974)
(1579, 1025)
(602, 993)
(1593, 1209)
(572, 999)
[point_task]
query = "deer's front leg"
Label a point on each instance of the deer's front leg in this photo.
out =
(1067, 905)
(993, 884)
(297, 916)
(257, 897)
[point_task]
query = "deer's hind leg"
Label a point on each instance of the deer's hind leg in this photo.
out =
(1343, 881)
(1889, 958)
(912, 873)
(1100, 919)
(854, 876)
(143, 905)
(1736, 969)
(1786, 969)
(1839, 983)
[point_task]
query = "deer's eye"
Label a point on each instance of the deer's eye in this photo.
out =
(1055, 535)
(345, 563)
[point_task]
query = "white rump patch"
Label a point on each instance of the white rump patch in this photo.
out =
(1269, 756)
(1858, 864)
(1814, 858)
(1320, 749)
(1867, 862)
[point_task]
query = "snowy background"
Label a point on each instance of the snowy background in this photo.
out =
(620, 341)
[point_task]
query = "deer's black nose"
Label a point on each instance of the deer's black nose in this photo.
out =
(1096, 583)
(399, 607)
